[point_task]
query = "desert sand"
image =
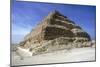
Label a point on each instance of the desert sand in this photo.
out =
(73, 55)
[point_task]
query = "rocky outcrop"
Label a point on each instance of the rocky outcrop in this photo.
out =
(53, 33)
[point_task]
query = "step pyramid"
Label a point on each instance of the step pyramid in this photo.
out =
(54, 26)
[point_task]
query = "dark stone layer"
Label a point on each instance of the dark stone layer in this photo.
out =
(53, 32)
(61, 23)
(83, 34)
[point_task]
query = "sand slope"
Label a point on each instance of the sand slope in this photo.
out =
(73, 55)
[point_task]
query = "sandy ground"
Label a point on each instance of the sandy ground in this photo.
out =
(74, 55)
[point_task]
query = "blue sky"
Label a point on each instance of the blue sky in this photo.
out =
(26, 15)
